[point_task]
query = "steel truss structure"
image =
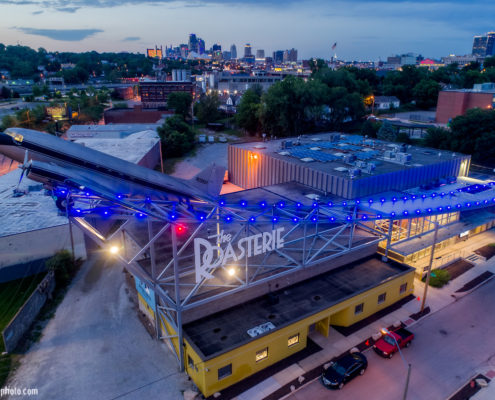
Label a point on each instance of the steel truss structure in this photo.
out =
(190, 254)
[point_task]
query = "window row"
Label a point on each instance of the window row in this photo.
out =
(381, 299)
(260, 355)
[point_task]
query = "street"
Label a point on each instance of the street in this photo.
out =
(449, 347)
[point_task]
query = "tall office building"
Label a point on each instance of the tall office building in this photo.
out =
(216, 47)
(290, 55)
(260, 54)
(484, 46)
(278, 57)
(201, 46)
(233, 52)
(247, 50)
(193, 43)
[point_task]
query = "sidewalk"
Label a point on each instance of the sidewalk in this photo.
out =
(335, 344)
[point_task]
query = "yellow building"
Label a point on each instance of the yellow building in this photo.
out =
(227, 347)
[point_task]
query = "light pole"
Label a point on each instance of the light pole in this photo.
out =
(428, 272)
(385, 331)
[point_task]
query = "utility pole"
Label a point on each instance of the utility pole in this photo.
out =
(428, 273)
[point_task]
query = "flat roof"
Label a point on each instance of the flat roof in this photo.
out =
(327, 151)
(131, 148)
(228, 329)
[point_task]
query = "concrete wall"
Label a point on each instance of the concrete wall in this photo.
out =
(21, 322)
(23, 248)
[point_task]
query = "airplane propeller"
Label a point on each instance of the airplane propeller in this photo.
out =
(24, 166)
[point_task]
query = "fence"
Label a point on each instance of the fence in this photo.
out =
(21, 322)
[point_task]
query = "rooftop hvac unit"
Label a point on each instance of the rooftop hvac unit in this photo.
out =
(355, 172)
(388, 154)
(370, 168)
(403, 158)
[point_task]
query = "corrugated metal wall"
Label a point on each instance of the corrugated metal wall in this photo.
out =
(248, 171)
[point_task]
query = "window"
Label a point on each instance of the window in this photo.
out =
(359, 309)
(262, 354)
(190, 362)
(224, 371)
(381, 298)
(293, 340)
(403, 288)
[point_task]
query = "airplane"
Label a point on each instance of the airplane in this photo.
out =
(59, 163)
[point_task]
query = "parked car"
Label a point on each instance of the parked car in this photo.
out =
(386, 346)
(343, 370)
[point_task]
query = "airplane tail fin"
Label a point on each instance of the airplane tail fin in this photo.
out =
(209, 180)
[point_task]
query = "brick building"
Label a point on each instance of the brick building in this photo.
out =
(452, 103)
(155, 94)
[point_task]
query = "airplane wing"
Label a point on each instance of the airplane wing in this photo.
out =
(95, 184)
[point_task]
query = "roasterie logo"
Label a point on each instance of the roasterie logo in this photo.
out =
(208, 256)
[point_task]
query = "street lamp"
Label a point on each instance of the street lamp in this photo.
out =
(385, 331)
(113, 250)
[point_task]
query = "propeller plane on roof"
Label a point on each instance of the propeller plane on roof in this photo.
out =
(60, 163)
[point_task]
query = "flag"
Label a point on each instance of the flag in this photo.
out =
(334, 46)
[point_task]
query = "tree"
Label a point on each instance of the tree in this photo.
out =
(370, 128)
(474, 133)
(206, 110)
(489, 62)
(177, 137)
(180, 102)
(438, 138)
(426, 93)
(5, 93)
(387, 132)
(283, 109)
(248, 112)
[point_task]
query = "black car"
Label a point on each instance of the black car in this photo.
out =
(343, 370)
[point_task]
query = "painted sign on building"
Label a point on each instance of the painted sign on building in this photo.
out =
(146, 293)
(208, 256)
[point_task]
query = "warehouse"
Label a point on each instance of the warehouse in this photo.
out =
(348, 166)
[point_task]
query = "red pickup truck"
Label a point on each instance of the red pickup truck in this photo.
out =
(386, 346)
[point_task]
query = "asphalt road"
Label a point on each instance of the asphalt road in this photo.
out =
(96, 348)
(449, 347)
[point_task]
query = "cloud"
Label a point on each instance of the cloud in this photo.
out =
(131, 39)
(67, 35)
(68, 9)
(37, 12)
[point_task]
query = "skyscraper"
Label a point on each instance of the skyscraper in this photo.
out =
(484, 46)
(247, 50)
(278, 56)
(193, 43)
(233, 52)
(216, 47)
(201, 46)
(260, 54)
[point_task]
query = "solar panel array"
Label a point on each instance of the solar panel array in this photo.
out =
(366, 155)
(314, 154)
(352, 139)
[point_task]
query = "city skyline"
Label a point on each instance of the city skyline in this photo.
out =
(363, 30)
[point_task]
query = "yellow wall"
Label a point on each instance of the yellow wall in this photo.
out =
(243, 358)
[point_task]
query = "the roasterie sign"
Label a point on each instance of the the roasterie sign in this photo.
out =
(209, 256)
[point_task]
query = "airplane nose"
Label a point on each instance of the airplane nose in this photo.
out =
(5, 140)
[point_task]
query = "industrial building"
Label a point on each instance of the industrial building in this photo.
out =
(154, 94)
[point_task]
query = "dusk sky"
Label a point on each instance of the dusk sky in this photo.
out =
(363, 29)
